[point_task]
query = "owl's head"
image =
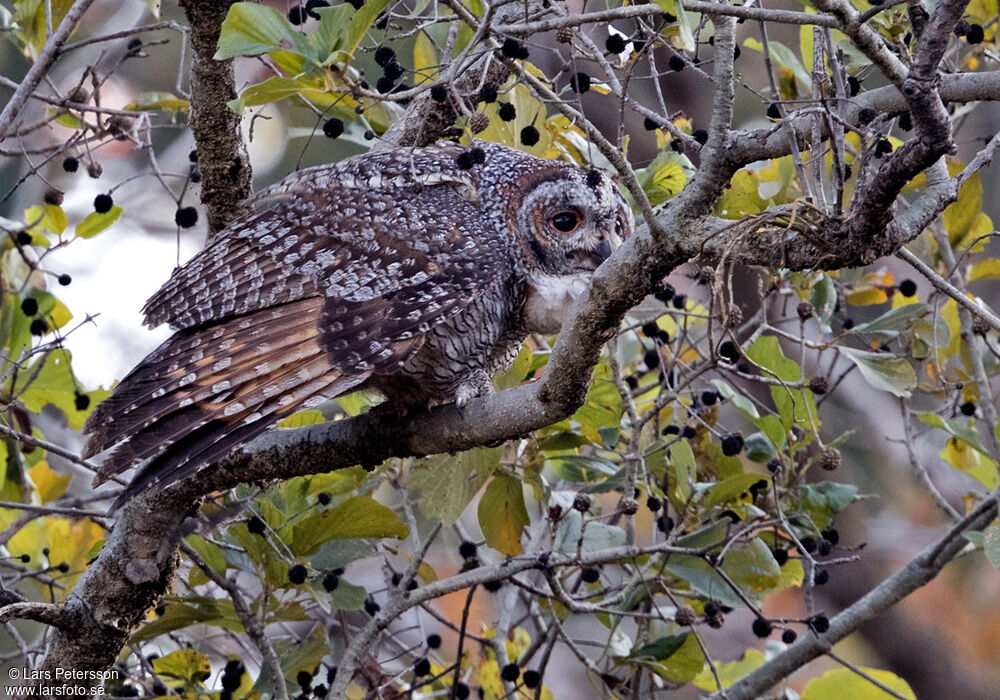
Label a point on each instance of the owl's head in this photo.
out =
(568, 219)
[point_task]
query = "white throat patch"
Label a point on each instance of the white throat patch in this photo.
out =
(549, 300)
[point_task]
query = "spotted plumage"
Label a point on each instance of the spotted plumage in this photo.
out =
(404, 271)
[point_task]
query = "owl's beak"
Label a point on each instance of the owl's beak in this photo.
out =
(591, 259)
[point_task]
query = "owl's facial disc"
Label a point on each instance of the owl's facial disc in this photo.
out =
(574, 220)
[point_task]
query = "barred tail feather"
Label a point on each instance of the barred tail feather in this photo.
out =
(207, 390)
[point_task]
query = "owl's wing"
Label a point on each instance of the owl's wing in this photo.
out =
(290, 307)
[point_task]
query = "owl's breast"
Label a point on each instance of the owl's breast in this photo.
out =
(549, 299)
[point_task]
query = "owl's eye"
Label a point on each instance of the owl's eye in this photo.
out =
(565, 221)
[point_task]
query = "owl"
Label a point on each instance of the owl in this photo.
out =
(414, 272)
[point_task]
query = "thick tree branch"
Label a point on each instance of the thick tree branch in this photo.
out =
(227, 177)
(924, 567)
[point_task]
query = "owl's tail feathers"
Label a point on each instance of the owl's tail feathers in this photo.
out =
(207, 390)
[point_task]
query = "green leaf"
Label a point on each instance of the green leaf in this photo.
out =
(730, 672)
(184, 664)
(252, 30)
(728, 489)
(823, 500)
(49, 380)
(362, 22)
(685, 472)
(502, 514)
(677, 658)
(347, 596)
(45, 217)
(783, 56)
(759, 448)
(665, 176)
(893, 322)
(210, 553)
(329, 36)
(753, 566)
(94, 222)
(956, 429)
(660, 649)
(448, 482)
(152, 101)
(991, 544)
(842, 683)
(361, 516)
(884, 371)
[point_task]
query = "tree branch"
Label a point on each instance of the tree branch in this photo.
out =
(924, 567)
(227, 177)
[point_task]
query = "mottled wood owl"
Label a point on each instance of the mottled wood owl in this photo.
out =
(415, 272)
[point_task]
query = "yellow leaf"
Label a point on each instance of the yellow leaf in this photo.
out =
(49, 484)
(963, 457)
(844, 683)
(425, 59)
(988, 269)
(302, 418)
(867, 297)
(730, 672)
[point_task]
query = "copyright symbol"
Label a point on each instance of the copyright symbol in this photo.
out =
(14, 673)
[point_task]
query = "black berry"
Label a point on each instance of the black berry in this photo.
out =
(728, 351)
(853, 85)
(700, 135)
(256, 525)
(580, 82)
(651, 358)
(781, 556)
(820, 623)
(762, 628)
(709, 398)
(614, 44)
(492, 586)
(512, 48)
(186, 217)
(332, 128)
(975, 34)
(968, 408)
(103, 203)
(23, 238)
(773, 112)
(665, 293)
(676, 63)
(664, 523)
(865, 116)
(488, 94)
(831, 536)
(507, 112)
(467, 550)
(384, 84)
(510, 672)
(330, 582)
(531, 679)
(70, 164)
(422, 667)
(808, 544)
(822, 577)
(732, 444)
(371, 607)
(688, 432)
(464, 160)
(433, 641)
(65, 280)
(905, 121)
(788, 636)
(296, 15)
(883, 147)
(29, 306)
(529, 135)
(297, 574)
(907, 288)
(38, 327)
(81, 402)
(590, 575)
(439, 93)
(653, 503)
(649, 124)
(460, 690)
(384, 56)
